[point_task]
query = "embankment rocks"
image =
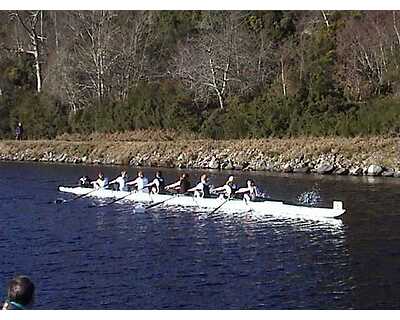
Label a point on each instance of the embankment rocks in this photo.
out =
(337, 156)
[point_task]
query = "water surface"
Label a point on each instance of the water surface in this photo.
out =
(179, 258)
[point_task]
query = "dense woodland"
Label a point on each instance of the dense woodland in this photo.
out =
(218, 74)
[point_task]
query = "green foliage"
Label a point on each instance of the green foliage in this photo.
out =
(41, 116)
(163, 105)
(296, 46)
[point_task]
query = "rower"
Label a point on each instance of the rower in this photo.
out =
(121, 180)
(141, 182)
(202, 189)
(101, 182)
(182, 185)
(228, 189)
(250, 192)
(158, 184)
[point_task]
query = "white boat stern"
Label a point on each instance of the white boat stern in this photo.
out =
(338, 205)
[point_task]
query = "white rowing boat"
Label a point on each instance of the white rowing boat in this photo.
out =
(266, 207)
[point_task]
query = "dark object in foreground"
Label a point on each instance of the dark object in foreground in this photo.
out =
(20, 294)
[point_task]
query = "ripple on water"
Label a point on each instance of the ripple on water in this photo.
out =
(169, 257)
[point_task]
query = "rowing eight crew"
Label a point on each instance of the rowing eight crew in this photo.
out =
(203, 189)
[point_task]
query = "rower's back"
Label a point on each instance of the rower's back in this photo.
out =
(160, 187)
(184, 185)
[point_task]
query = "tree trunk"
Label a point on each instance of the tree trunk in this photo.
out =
(37, 63)
(283, 77)
(34, 38)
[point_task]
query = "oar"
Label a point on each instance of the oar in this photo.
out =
(75, 198)
(247, 204)
(219, 207)
(111, 202)
(160, 202)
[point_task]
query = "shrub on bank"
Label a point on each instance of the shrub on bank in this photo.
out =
(165, 111)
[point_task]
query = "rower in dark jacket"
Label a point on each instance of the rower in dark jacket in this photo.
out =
(182, 185)
(202, 189)
(158, 184)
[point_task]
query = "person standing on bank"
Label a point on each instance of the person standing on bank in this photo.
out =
(20, 294)
(19, 131)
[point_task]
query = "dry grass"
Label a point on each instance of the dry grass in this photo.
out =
(124, 146)
(136, 135)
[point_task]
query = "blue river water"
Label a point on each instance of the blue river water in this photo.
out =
(179, 258)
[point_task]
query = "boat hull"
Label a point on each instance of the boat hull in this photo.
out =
(257, 208)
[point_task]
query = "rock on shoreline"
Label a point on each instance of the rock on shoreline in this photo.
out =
(355, 157)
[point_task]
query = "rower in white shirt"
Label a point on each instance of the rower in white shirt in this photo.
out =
(140, 182)
(121, 180)
(228, 189)
(101, 182)
(250, 192)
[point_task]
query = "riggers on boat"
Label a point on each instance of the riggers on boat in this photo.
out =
(266, 207)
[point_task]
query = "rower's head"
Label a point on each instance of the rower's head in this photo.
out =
(140, 174)
(204, 178)
(184, 176)
(21, 290)
(158, 174)
(250, 183)
(231, 178)
(101, 175)
(123, 173)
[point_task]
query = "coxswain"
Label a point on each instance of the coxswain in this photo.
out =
(182, 185)
(250, 192)
(140, 182)
(202, 189)
(84, 182)
(101, 182)
(121, 180)
(158, 184)
(228, 189)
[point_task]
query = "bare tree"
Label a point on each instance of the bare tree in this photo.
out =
(211, 62)
(32, 24)
(134, 40)
(368, 49)
(106, 56)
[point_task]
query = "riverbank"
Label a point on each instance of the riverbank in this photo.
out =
(342, 156)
